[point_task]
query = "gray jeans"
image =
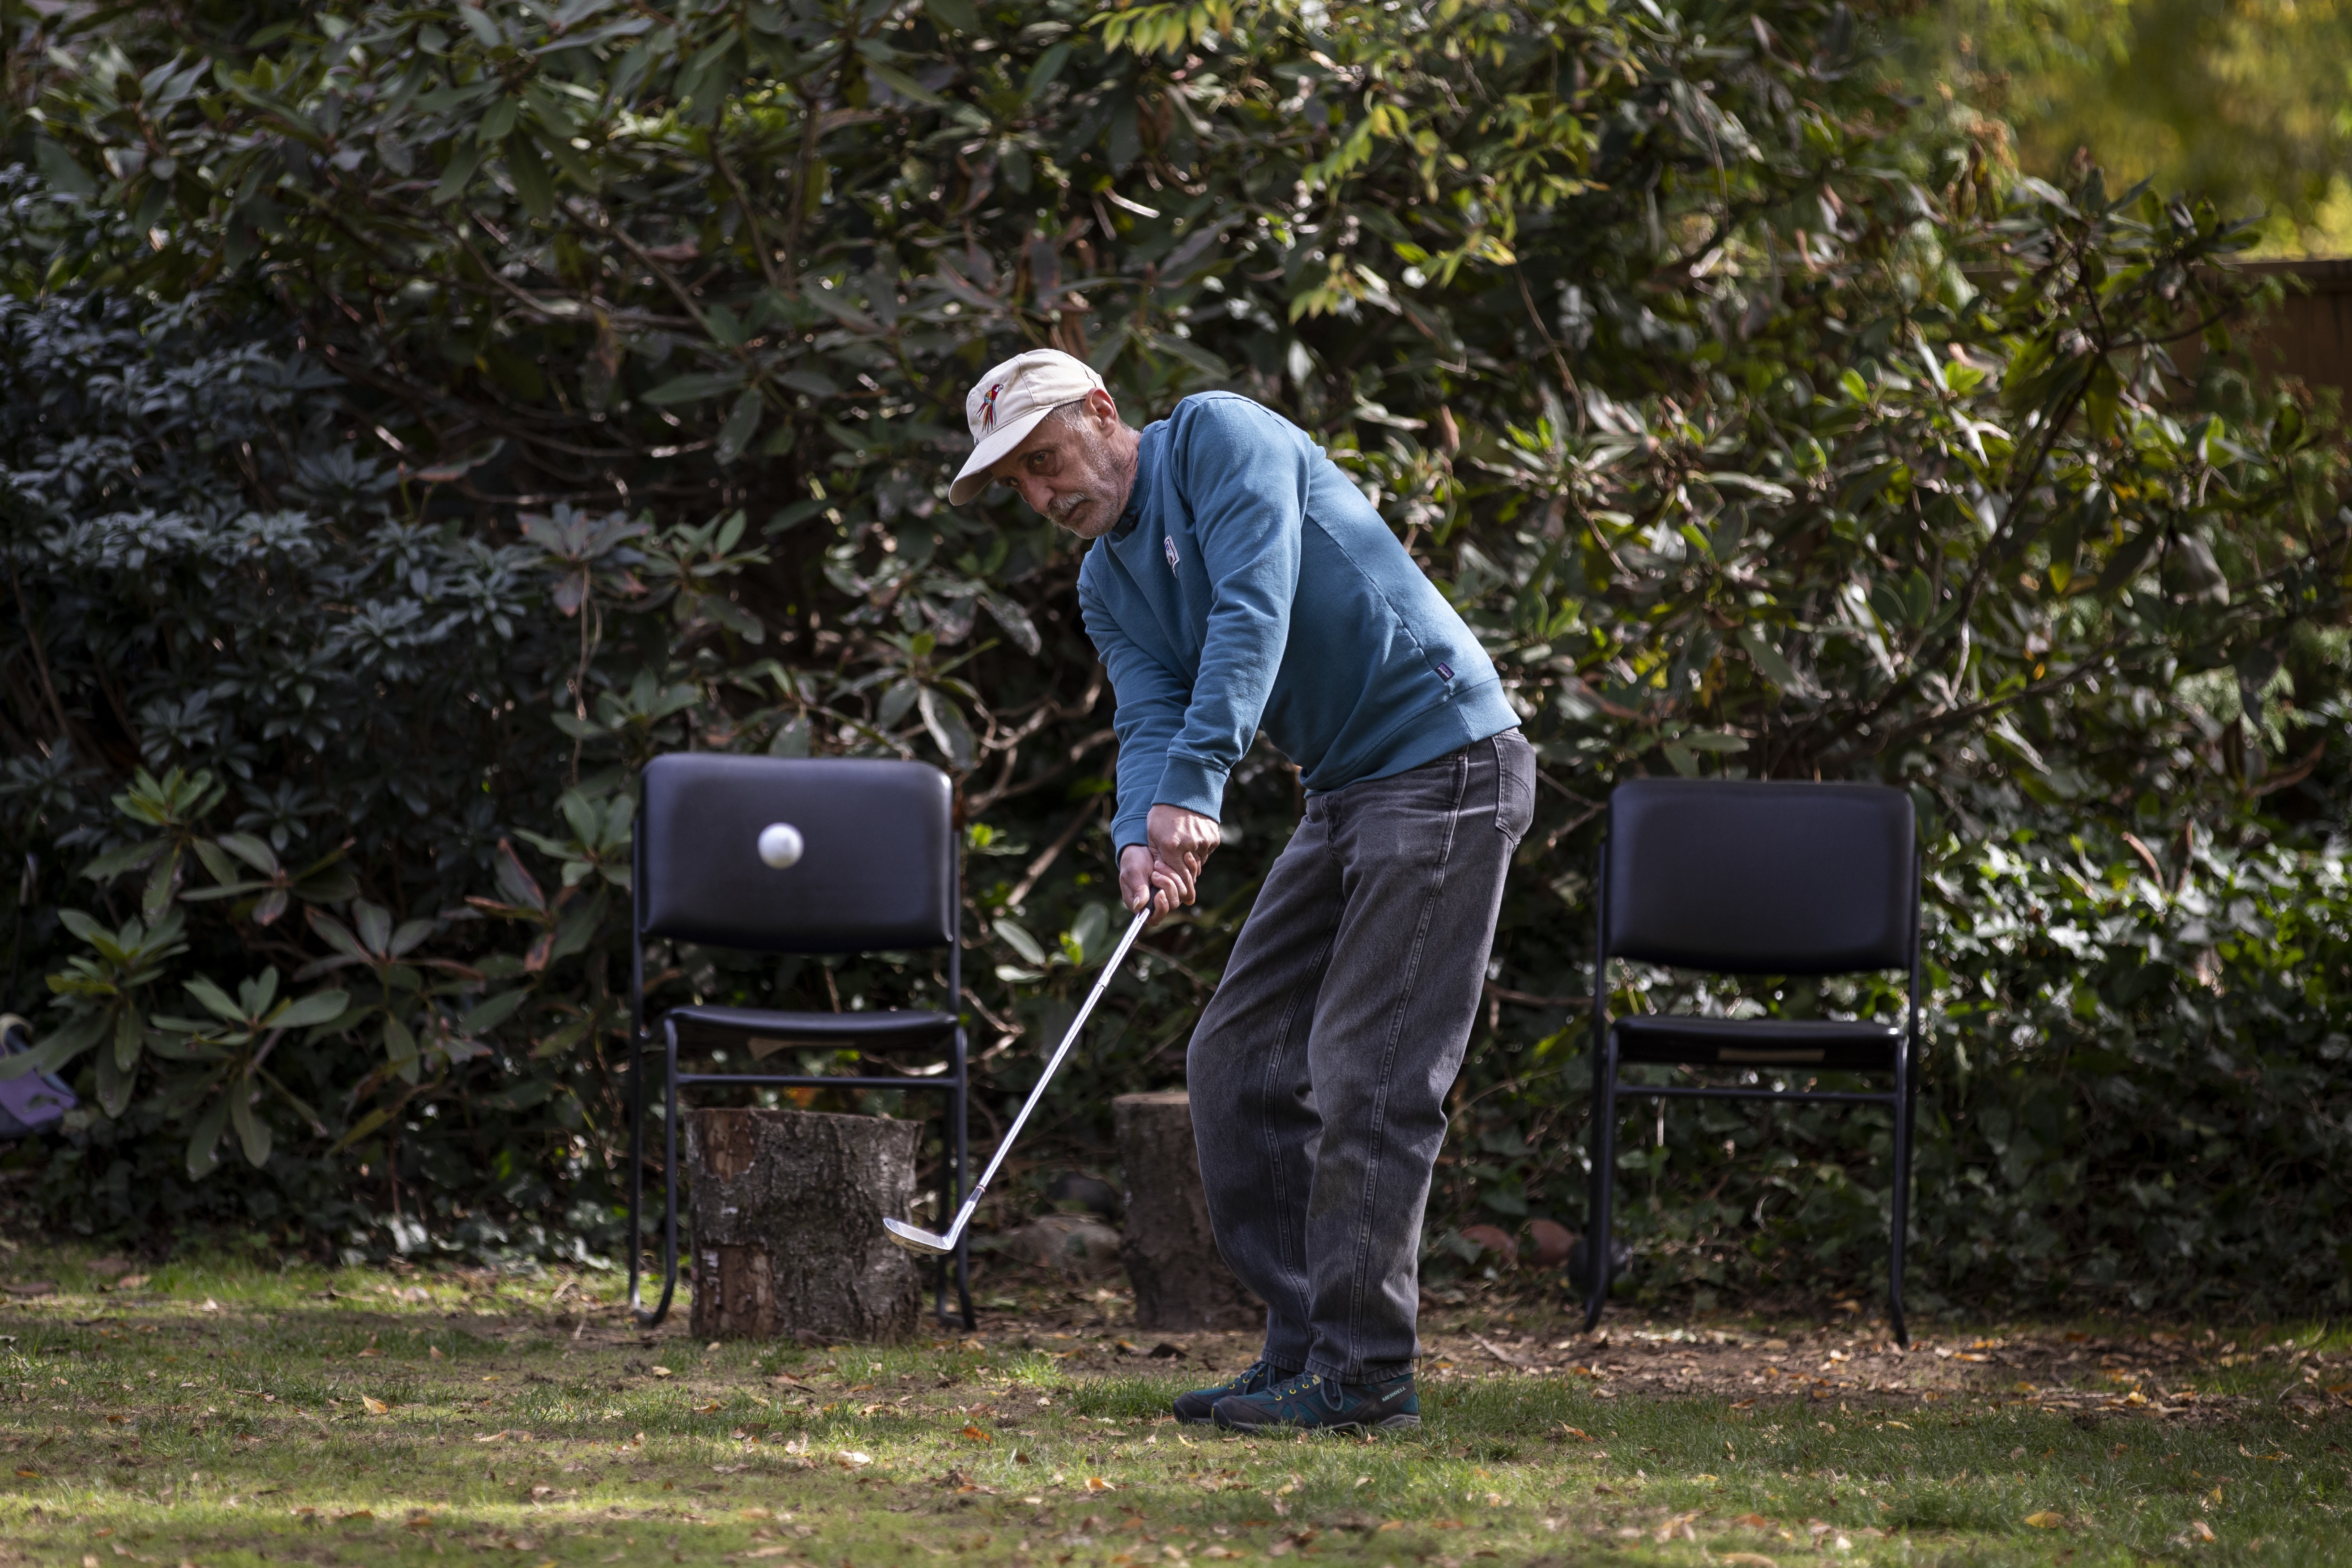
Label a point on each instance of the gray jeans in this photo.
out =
(1319, 1071)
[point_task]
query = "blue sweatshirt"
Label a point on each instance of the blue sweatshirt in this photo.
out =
(1249, 585)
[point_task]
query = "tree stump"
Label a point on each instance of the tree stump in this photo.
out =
(787, 1210)
(1180, 1282)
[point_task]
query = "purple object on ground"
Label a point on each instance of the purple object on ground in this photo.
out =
(35, 1102)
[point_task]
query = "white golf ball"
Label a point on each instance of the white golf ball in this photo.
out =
(780, 845)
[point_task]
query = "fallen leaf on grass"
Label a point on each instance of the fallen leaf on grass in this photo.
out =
(370, 1351)
(850, 1458)
(977, 1435)
(1096, 1484)
(132, 1282)
(356, 1513)
(706, 1409)
(1755, 1521)
(2046, 1520)
(374, 1406)
(664, 1371)
(29, 1475)
(1747, 1559)
(34, 1288)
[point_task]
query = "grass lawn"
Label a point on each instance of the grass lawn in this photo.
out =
(218, 1414)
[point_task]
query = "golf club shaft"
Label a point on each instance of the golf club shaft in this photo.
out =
(1004, 1146)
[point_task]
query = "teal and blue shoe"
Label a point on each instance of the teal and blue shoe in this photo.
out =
(1313, 1403)
(1197, 1407)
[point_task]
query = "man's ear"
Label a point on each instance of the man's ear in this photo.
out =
(1101, 405)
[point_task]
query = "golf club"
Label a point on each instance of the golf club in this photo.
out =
(915, 1239)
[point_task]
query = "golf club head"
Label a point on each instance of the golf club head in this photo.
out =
(915, 1239)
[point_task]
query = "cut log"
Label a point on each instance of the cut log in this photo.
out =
(1180, 1282)
(787, 1210)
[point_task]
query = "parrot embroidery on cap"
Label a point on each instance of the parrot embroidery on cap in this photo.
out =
(988, 408)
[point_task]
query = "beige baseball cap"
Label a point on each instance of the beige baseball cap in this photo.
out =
(1007, 403)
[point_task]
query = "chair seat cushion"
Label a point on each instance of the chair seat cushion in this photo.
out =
(766, 1033)
(1758, 1042)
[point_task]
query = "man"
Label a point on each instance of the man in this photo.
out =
(1239, 581)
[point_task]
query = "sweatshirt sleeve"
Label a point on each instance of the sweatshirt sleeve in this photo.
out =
(1151, 700)
(1243, 473)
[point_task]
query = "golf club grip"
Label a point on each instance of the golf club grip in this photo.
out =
(1053, 1064)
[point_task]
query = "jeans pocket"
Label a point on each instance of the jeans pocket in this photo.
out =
(1515, 785)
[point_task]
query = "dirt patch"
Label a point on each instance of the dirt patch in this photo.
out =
(2150, 1373)
(1087, 1326)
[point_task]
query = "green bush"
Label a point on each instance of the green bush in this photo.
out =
(613, 372)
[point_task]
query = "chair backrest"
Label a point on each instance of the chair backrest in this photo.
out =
(877, 870)
(1751, 877)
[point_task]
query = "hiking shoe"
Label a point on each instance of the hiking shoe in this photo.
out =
(1198, 1406)
(1313, 1403)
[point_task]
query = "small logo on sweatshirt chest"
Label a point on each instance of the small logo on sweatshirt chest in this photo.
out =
(1169, 542)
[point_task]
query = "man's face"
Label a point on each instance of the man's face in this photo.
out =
(1071, 468)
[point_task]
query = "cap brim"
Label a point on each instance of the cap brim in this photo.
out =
(993, 449)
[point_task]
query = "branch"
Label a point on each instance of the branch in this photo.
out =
(41, 660)
(1077, 749)
(1053, 852)
(751, 218)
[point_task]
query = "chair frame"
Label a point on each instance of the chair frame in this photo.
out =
(1608, 1089)
(955, 1084)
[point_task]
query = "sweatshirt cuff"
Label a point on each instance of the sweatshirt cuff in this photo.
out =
(1193, 785)
(1130, 828)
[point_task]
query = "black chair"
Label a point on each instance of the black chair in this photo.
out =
(1735, 877)
(877, 872)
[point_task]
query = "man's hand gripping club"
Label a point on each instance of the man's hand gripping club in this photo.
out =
(1163, 873)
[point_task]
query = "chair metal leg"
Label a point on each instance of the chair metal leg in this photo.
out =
(954, 1153)
(940, 1265)
(669, 1180)
(961, 1133)
(1596, 1248)
(636, 1184)
(1900, 1216)
(944, 1266)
